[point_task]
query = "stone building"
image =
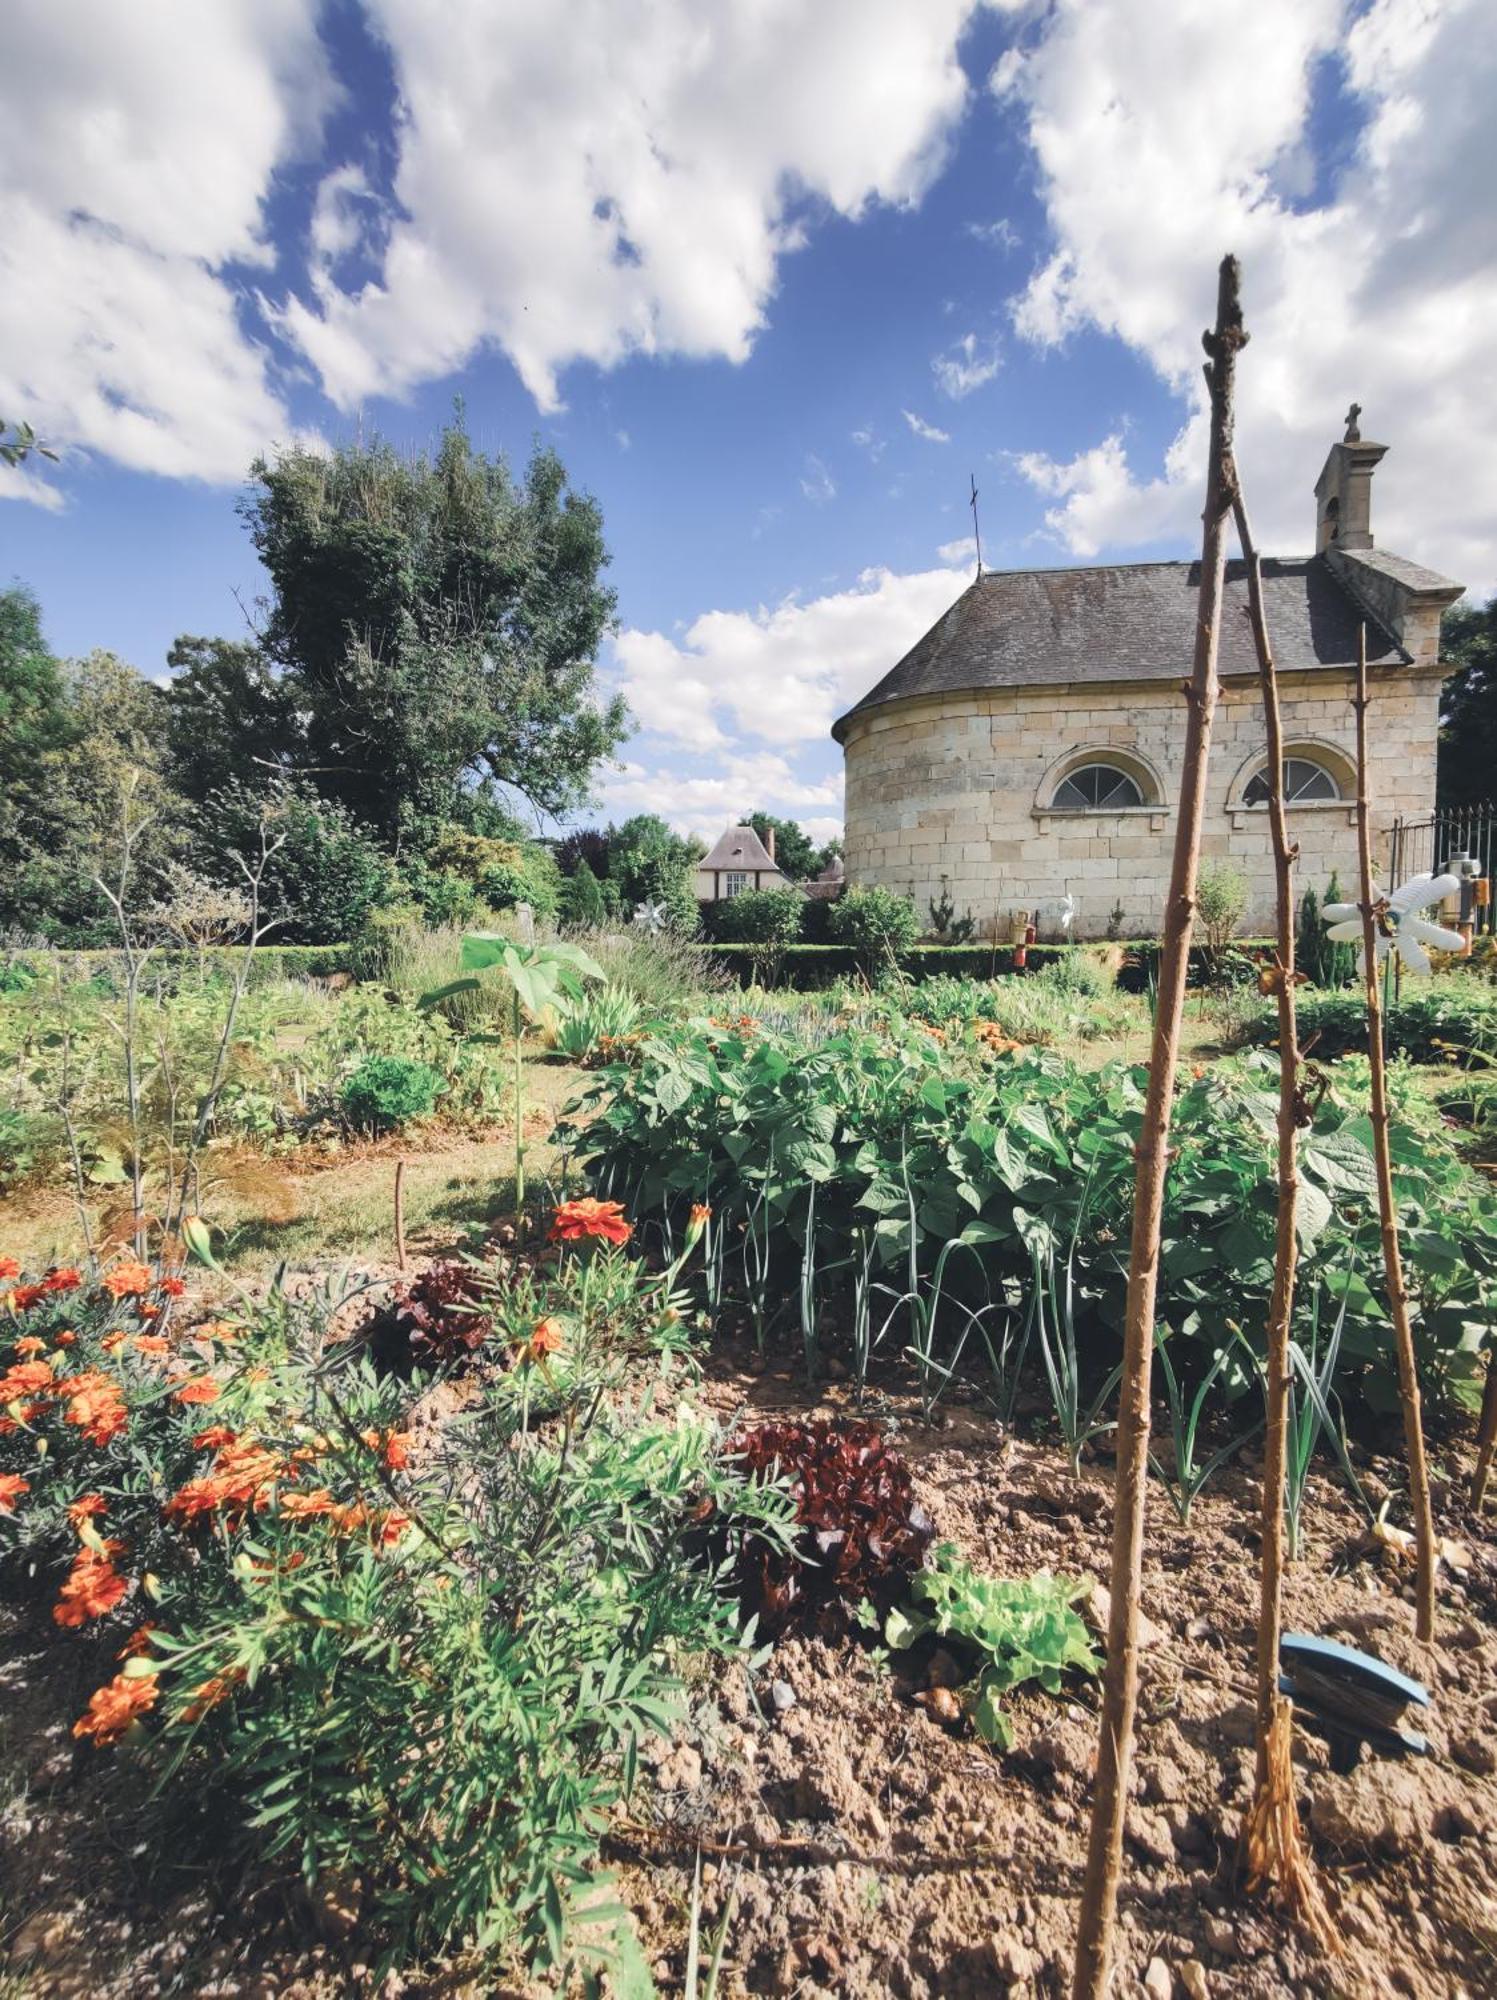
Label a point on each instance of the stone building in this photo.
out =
(1028, 747)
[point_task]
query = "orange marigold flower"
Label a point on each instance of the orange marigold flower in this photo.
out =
(701, 1215)
(62, 1278)
(67, 1338)
(547, 1338)
(138, 1642)
(9, 1268)
(397, 1451)
(24, 1297)
(307, 1506)
(25, 1378)
(31, 1343)
(214, 1438)
(111, 1710)
(94, 1586)
(215, 1329)
(12, 1486)
(578, 1221)
(203, 1390)
(85, 1507)
(126, 1281)
(152, 1343)
(387, 1528)
(144, 1310)
(172, 1288)
(96, 1406)
(241, 1477)
(113, 1340)
(209, 1693)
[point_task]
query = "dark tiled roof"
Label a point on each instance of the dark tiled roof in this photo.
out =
(1129, 621)
(739, 848)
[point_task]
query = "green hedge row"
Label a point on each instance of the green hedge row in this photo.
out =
(807, 967)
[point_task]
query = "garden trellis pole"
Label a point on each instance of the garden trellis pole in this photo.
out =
(1120, 1687)
(1398, 1297)
(1272, 1852)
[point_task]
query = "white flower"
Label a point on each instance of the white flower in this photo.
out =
(651, 917)
(1400, 927)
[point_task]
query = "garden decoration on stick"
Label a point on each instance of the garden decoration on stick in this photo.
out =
(1098, 1911)
(1273, 1854)
(540, 976)
(1394, 924)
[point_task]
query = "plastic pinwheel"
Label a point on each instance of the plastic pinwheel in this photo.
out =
(1399, 923)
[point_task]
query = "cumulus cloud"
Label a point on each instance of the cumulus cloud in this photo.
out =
(1380, 286)
(136, 152)
(591, 181)
(704, 803)
(967, 365)
(783, 673)
(924, 430)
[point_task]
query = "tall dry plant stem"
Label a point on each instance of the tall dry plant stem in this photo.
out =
(1120, 1688)
(1398, 1298)
(1486, 1436)
(1273, 1854)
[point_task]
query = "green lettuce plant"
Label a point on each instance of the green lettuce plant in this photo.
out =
(1008, 1630)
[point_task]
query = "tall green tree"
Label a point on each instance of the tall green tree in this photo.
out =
(228, 717)
(435, 622)
(796, 854)
(1468, 707)
(35, 728)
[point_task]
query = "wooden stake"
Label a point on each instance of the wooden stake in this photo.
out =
(1098, 1911)
(1486, 1436)
(400, 1215)
(1273, 1855)
(1398, 1298)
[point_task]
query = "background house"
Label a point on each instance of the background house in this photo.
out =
(740, 860)
(1028, 747)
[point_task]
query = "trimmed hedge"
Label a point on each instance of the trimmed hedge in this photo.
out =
(810, 966)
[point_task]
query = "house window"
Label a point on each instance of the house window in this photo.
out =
(1306, 782)
(734, 885)
(1096, 788)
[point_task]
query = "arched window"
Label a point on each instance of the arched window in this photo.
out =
(1306, 782)
(1096, 788)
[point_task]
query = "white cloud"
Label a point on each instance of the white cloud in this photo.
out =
(781, 674)
(924, 430)
(591, 181)
(21, 482)
(999, 235)
(868, 439)
(1382, 288)
(963, 550)
(967, 365)
(704, 803)
(136, 152)
(816, 482)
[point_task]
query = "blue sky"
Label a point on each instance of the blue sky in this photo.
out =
(775, 278)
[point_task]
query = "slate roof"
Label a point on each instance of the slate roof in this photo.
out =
(1125, 621)
(741, 849)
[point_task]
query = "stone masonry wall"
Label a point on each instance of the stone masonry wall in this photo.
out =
(957, 786)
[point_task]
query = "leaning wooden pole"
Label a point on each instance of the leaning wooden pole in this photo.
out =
(1398, 1298)
(1120, 1686)
(1273, 1854)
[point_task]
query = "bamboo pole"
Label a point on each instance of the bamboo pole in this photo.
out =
(400, 1257)
(1398, 1298)
(1098, 1911)
(1273, 1855)
(1486, 1436)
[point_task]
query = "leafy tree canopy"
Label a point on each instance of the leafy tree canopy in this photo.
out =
(228, 716)
(795, 854)
(1468, 709)
(435, 623)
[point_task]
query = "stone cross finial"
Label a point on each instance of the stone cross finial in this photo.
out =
(1353, 435)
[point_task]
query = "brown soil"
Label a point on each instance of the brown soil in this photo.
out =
(866, 1849)
(875, 1851)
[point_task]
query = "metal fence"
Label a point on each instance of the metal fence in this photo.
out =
(1429, 845)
